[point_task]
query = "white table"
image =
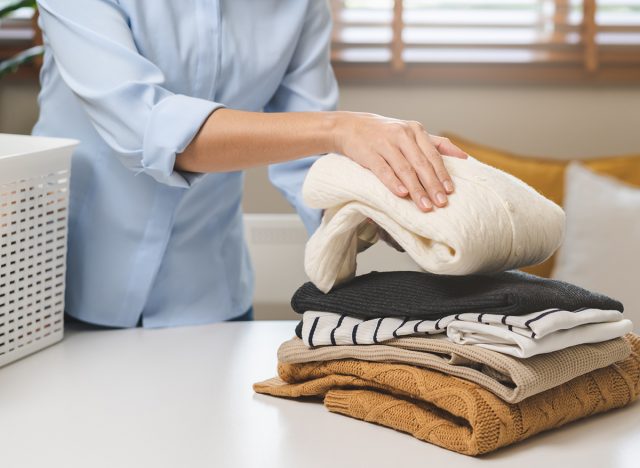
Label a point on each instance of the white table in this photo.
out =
(182, 398)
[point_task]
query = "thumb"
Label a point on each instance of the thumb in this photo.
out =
(446, 148)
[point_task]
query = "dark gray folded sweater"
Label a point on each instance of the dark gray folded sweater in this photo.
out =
(428, 296)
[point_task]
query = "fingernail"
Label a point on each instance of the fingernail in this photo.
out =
(448, 186)
(441, 198)
(426, 204)
(402, 190)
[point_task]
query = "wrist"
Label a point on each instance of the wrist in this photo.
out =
(331, 131)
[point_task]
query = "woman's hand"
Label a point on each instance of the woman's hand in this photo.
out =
(400, 153)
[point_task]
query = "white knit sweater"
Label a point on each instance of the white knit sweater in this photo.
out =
(493, 221)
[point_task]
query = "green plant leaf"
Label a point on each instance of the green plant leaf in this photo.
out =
(12, 64)
(16, 6)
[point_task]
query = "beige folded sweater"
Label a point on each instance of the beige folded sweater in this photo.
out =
(510, 378)
(493, 221)
(448, 411)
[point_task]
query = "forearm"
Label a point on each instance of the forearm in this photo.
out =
(233, 140)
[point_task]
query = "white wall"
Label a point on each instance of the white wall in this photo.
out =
(18, 106)
(558, 121)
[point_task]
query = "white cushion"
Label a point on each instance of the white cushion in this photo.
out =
(601, 250)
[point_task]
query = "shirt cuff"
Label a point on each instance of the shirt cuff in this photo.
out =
(174, 122)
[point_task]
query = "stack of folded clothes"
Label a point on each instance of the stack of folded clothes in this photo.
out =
(472, 362)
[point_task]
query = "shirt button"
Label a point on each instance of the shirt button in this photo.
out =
(510, 206)
(481, 179)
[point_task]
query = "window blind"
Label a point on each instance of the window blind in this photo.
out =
(617, 31)
(404, 33)
(16, 30)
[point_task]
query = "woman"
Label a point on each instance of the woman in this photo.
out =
(171, 101)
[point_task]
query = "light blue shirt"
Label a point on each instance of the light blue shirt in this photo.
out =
(134, 80)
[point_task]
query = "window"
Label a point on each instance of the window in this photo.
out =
(17, 24)
(530, 40)
(17, 34)
(458, 40)
(617, 31)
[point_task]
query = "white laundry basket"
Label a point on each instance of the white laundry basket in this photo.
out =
(34, 196)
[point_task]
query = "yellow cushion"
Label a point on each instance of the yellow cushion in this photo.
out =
(547, 175)
(624, 168)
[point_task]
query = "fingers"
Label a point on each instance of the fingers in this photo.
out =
(426, 171)
(386, 174)
(409, 177)
(435, 158)
(406, 159)
(444, 146)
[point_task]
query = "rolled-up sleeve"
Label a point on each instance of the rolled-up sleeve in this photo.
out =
(309, 85)
(121, 91)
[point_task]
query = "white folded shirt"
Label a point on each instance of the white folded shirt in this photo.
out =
(507, 342)
(521, 336)
(543, 323)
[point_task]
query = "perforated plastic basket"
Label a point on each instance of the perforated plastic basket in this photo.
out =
(34, 195)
